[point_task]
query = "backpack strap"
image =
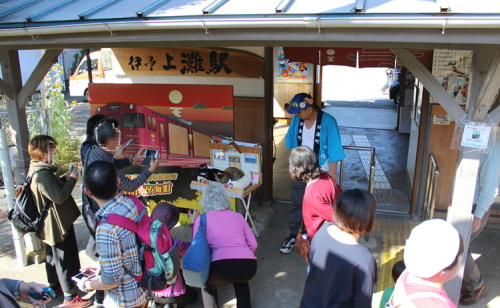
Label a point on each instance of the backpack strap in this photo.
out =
(47, 202)
(125, 222)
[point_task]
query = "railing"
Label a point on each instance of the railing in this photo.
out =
(372, 165)
(431, 182)
(372, 171)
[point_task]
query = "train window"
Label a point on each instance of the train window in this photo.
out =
(133, 120)
(152, 123)
(163, 137)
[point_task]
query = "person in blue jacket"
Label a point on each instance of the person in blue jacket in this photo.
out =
(319, 131)
(473, 285)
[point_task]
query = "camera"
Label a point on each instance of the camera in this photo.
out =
(46, 293)
(152, 153)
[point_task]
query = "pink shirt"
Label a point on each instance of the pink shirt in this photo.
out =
(317, 206)
(228, 235)
(404, 289)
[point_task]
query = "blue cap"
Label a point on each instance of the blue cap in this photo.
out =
(298, 103)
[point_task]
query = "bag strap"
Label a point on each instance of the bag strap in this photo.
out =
(46, 204)
(203, 223)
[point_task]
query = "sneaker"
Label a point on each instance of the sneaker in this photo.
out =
(288, 245)
(77, 301)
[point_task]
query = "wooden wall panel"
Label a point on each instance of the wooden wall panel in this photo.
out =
(249, 119)
(283, 93)
(446, 158)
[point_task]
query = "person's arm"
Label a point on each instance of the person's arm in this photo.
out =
(110, 259)
(334, 149)
(46, 181)
(249, 236)
(489, 180)
(20, 289)
(131, 185)
(333, 170)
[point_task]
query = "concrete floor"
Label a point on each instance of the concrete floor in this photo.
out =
(280, 278)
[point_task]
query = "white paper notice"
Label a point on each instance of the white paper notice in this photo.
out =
(476, 136)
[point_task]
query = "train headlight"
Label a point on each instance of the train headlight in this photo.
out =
(98, 109)
(131, 106)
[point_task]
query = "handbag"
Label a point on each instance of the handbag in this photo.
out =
(196, 261)
(302, 246)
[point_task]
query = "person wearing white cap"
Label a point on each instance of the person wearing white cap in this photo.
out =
(319, 131)
(431, 256)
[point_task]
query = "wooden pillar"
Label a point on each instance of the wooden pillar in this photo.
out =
(11, 72)
(267, 147)
(318, 84)
(482, 92)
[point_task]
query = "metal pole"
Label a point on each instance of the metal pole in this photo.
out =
(10, 194)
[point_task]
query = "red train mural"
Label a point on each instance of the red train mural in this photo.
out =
(178, 143)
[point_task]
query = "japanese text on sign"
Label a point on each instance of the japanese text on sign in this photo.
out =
(192, 63)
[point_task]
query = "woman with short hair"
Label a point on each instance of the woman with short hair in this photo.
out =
(321, 190)
(342, 272)
(232, 244)
(58, 234)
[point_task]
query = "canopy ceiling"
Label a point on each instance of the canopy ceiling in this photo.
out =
(456, 24)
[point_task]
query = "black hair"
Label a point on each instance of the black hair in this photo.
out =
(105, 129)
(92, 122)
(354, 211)
(397, 269)
(100, 178)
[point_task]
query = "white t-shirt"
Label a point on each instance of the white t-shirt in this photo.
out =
(308, 136)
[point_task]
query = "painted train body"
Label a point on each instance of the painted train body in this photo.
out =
(178, 143)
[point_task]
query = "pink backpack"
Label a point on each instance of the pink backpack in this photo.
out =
(158, 253)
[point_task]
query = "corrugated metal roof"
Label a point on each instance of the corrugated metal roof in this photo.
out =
(56, 22)
(17, 11)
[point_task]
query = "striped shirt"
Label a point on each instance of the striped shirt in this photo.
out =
(118, 249)
(130, 185)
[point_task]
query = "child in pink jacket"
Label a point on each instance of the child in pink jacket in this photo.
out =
(179, 293)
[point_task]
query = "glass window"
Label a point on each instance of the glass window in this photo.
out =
(133, 120)
(162, 133)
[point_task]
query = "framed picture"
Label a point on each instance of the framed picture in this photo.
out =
(219, 155)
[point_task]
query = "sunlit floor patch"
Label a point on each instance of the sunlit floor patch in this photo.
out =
(394, 235)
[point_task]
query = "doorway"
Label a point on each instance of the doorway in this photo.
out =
(367, 117)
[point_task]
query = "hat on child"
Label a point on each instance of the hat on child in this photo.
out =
(166, 213)
(298, 103)
(432, 246)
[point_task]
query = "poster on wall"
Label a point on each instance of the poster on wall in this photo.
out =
(452, 69)
(293, 72)
(178, 121)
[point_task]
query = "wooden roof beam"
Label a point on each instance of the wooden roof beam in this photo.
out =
(6, 89)
(489, 90)
(38, 74)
